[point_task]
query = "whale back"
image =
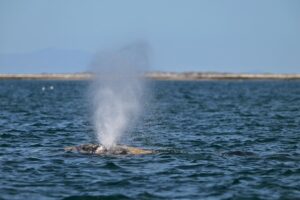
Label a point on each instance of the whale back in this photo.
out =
(101, 150)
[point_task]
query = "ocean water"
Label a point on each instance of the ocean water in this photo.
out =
(214, 140)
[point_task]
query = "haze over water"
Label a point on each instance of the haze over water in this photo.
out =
(215, 140)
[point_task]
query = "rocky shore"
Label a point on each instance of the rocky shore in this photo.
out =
(159, 76)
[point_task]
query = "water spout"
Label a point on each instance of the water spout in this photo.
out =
(117, 89)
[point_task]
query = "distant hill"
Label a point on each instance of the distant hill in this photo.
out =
(48, 60)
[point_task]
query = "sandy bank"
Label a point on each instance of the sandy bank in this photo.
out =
(158, 76)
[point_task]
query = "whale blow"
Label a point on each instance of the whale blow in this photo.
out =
(117, 91)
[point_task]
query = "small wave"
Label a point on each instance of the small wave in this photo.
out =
(101, 197)
(6, 135)
(117, 183)
(281, 157)
(147, 195)
(239, 153)
(111, 165)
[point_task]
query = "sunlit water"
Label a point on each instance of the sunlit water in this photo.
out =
(215, 140)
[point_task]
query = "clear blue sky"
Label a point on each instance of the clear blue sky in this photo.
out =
(185, 35)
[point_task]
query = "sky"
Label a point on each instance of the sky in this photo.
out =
(184, 35)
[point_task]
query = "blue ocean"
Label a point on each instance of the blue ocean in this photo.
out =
(224, 139)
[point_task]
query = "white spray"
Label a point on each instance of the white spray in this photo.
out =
(117, 89)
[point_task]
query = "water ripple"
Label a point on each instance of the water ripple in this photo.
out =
(212, 140)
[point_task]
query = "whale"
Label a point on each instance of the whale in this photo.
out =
(99, 149)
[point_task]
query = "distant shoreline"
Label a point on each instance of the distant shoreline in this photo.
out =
(158, 76)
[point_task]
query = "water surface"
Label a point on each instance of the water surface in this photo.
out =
(215, 140)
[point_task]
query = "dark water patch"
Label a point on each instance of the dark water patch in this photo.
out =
(239, 153)
(101, 197)
(6, 135)
(282, 157)
(111, 165)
